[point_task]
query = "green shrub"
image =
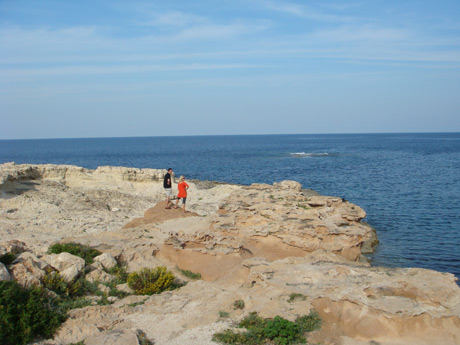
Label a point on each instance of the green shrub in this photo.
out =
(120, 272)
(238, 304)
(151, 281)
(264, 331)
(247, 338)
(294, 296)
(54, 282)
(7, 258)
(223, 314)
(85, 252)
(26, 314)
(309, 323)
(252, 321)
(283, 331)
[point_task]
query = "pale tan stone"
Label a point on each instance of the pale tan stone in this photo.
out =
(261, 244)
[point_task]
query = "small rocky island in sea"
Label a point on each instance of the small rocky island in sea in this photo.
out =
(266, 252)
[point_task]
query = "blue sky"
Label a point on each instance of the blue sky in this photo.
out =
(153, 68)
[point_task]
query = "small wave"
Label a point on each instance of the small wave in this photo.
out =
(309, 154)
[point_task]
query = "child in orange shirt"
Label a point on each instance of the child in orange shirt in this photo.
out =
(182, 186)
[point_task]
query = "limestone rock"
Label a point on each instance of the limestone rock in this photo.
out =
(99, 276)
(281, 249)
(107, 260)
(69, 266)
(114, 337)
(13, 247)
(125, 288)
(104, 288)
(28, 270)
(4, 274)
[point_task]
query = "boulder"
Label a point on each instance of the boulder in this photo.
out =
(4, 274)
(125, 288)
(107, 260)
(99, 275)
(13, 246)
(69, 266)
(28, 270)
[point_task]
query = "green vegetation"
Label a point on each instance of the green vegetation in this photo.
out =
(283, 331)
(85, 252)
(30, 313)
(223, 314)
(54, 282)
(190, 274)
(309, 323)
(119, 271)
(151, 281)
(143, 340)
(265, 331)
(238, 304)
(7, 258)
(294, 296)
(26, 314)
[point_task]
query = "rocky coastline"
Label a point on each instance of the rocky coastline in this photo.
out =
(261, 244)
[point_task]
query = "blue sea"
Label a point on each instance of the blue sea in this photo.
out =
(409, 184)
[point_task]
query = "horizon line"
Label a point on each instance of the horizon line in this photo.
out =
(225, 135)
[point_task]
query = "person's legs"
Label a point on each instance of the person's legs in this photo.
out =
(168, 197)
(183, 204)
(177, 202)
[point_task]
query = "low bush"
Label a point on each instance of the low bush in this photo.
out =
(283, 331)
(224, 314)
(85, 252)
(54, 282)
(294, 296)
(252, 321)
(7, 258)
(309, 323)
(26, 314)
(119, 271)
(151, 281)
(238, 304)
(265, 331)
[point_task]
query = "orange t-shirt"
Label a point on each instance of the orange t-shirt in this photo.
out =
(182, 190)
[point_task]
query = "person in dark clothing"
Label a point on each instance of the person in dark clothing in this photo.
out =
(167, 184)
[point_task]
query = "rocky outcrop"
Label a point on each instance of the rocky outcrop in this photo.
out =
(46, 203)
(69, 266)
(278, 248)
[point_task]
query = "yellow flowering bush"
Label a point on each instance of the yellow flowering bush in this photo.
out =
(151, 281)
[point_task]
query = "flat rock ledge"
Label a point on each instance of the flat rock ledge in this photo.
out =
(279, 248)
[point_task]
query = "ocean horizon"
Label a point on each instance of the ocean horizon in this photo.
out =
(223, 135)
(408, 183)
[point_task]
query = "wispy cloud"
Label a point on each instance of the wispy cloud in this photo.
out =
(363, 33)
(305, 11)
(27, 73)
(174, 19)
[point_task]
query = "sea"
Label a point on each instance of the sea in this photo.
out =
(408, 183)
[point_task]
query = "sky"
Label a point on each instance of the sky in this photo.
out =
(108, 68)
